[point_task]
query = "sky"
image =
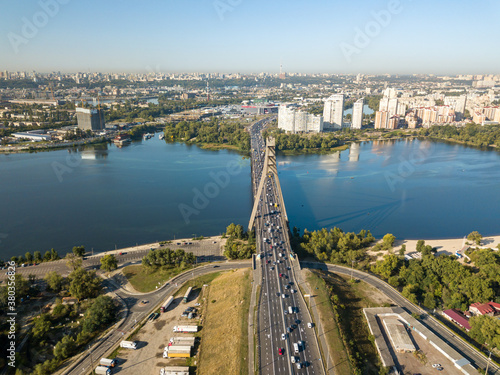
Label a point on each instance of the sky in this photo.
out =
(356, 36)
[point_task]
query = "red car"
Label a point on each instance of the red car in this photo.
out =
(281, 274)
(280, 351)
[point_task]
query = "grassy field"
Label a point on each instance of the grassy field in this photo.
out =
(144, 282)
(350, 299)
(338, 351)
(196, 283)
(217, 146)
(224, 342)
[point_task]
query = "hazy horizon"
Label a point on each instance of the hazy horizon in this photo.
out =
(370, 37)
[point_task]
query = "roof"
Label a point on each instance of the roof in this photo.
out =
(458, 317)
(483, 308)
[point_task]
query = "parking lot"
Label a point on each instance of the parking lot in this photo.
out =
(152, 339)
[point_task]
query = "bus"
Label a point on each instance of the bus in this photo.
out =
(186, 296)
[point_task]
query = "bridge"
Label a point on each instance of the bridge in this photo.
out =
(286, 344)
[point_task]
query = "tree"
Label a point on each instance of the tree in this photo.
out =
(485, 330)
(29, 257)
(37, 257)
(46, 256)
(109, 263)
(73, 261)
(79, 251)
(84, 284)
(65, 347)
(475, 236)
(99, 314)
(402, 251)
(388, 241)
(54, 255)
(41, 326)
(420, 245)
(54, 281)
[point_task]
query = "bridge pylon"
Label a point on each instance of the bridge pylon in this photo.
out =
(269, 171)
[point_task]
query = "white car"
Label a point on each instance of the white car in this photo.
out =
(435, 365)
(310, 325)
(283, 336)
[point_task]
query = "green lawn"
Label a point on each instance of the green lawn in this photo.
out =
(144, 281)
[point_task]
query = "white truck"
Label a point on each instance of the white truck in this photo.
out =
(102, 370)
(167, 303)
(128, 344)
(107, 362)
(188, 329)
(182, 341)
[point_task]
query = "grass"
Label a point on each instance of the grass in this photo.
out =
(217, 146)
(338, 351)
(224, 342)
(196, 283)
(351, 299)
(144, 281)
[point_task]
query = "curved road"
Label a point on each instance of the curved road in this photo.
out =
(468, 351)
(137, 312)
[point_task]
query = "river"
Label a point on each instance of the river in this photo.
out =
(105, 197)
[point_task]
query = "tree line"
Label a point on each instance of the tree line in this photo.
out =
(476, 135)
(214, 131)
(239, 244)
(167, 257)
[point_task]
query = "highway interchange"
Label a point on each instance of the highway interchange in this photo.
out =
(286, 344)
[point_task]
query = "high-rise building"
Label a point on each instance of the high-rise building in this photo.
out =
(393, 106)
(393, 122)
(293, 121)
(333, 113)
(384, 104)
(357, 114)
(381, 120)
(90, 119)
(458, 103)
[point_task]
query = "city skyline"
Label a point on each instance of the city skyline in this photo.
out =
(378, 37)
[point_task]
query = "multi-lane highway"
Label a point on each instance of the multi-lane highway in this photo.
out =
(286, 339)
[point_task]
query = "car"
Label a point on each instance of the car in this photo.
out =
(289, 329)
(278, 294)
(283, 295)
(283, 336)
(272, 268)
(280, 351)
(293, 358)
(436, 365)
(287, 286)
(184, 314)
(290, 282)
(190, 309)
(281, 275)
(293, 291)
(297, 321)
(293, 326)
(299, 365)
(310, 325)
(216, 266)
(439, 369)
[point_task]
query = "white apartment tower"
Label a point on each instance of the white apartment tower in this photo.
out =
(293, 121)
(357, 114)
(333, 113)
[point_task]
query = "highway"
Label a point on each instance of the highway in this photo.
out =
(137, 311)
(286, 344)
(469, 352)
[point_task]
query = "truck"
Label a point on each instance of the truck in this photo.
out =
(102, 370)
(182, 341)
(177, 348)
(186, 296)
(177, 353)
(107, 362)
(185, 329)
(167, 303)
(128, 344)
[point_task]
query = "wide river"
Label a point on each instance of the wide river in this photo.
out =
(106, 197)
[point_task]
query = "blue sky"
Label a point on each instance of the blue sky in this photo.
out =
(421, 36)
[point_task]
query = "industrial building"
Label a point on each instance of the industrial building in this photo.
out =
(295, 121)
(400, 339)
(34, 135)
(90, 119)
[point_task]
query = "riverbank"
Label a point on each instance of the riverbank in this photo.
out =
(43, 147)
(449, 246)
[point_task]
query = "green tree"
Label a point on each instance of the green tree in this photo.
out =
(420, 245)
(84, 284)
(54, 281)
(54, 255)
(73, 261)
(475, 236)
(47, 256)
(29, 257)
(402, 251)
(41, 326)
(388, 241)
(485, 330)
(79, 251)
(99, 314)
(37, 256)
(65, 348)
(109, 263)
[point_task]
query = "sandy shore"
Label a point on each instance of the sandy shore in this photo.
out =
(449, 246)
